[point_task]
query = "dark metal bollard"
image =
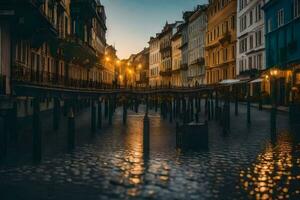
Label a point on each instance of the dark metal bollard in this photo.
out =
(106, 108)
(208, 110)
(36, 132)
(14, 122)
(110, 111)
(156, 104)
(56, 114)
(192, 109)
(206, 106)
(171, 113)
(146, 133)
(71, 129)
(93, 118)
(124, 112)
(273, 120)
(99, 114)
(4, 136)
(248, 111)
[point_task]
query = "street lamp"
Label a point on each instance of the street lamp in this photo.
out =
(140, 66)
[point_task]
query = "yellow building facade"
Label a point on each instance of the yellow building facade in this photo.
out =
(220, 47)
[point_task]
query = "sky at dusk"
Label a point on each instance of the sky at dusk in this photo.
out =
(131, 22)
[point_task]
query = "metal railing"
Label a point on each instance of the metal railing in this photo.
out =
(26, 75)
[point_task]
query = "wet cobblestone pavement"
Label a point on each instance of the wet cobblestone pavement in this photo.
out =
(244, 164)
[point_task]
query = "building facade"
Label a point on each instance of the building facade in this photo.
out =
(282, 19)
(109, 73)
(196, 46)
(154, 61)
(250, 59)
(166, 52)
(141, 68)
(220, 49)
(176, 78)
(51, 43)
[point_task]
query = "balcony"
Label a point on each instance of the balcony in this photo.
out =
(167, 72)
(198, 61)
(78, 52)
(225, 37)
(184, 67)
(165, 48)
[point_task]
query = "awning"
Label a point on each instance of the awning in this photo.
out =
(259, 80)
(230, 81)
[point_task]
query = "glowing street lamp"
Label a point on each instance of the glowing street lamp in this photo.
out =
(140, 66)
(107, 58)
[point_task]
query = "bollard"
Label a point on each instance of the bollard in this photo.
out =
(110, 111)
(171, 113)
(192, 108)
(93, 118)
(4, 136)
(208, 110)
(106, 108)
(206, 106)
(71, 129)
(99, 114)
(197, 117)
(236, 103)
(156, 104)
(212, 108)
(146, 133)
(174, 108)
(124, 112)
(217, 106)
(56, 114)
(36, 132)
(14, 122)
(248, 108)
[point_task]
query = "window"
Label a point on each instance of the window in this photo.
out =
(258, 13)
(296, 8)
(258, 38)
(269, 25)
(250, 62)
(233, 52)
(233, 22)
(251, 18)
(225, 54)
(280, 17)
(259, 61)
(251, 41)
(243, 23)
(243, 45)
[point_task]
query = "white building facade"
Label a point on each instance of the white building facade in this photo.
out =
(196, 46)
(250, 38)
(154, 62)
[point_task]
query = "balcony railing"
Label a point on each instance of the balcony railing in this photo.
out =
(26, 75)
(167, 72)
(184, 67)
(225, 37)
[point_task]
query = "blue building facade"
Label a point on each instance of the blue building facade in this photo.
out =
(282, 39)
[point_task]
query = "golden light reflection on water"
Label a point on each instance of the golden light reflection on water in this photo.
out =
(135, 162)
(273, 172)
